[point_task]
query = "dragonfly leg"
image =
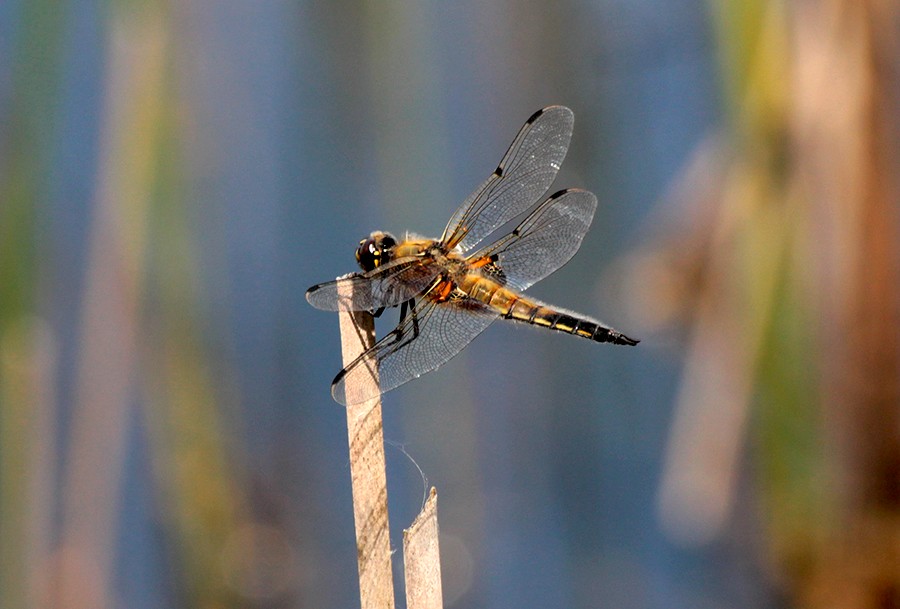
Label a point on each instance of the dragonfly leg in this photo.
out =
(377, 312)
(407, 308)
(415, 318)
(398, 332)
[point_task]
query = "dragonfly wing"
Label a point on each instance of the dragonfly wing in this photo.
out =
(386, 286)
(545, 240)
(525, 173)
(351, 293)
(431, 334)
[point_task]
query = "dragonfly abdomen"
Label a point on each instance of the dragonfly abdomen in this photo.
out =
(536, 314)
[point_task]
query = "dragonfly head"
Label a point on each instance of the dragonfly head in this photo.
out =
(375, 250)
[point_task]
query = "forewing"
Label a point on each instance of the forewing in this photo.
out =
(443, 331)
(545, 240)
(386, 286)
(525, 173)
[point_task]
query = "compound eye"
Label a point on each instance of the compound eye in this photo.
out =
(368, 255)
(365, 254)
(375, 251)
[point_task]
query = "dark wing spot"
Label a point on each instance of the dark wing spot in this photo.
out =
(534, 116)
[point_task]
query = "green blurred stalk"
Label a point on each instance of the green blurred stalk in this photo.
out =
(193, 423)
(29, 133)
(194, 456)
(752, 39)
(141, 215)
(772, 266)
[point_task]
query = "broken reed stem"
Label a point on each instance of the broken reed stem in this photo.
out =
(365, 432)
(421, 559)
(367, 473)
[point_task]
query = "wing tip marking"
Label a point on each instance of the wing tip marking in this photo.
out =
(535, 116)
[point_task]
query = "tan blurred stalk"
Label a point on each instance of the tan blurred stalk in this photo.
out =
(140, 344)
(84, 562)
(781, 259)
(847, 135)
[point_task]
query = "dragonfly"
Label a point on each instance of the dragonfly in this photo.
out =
(449, 290)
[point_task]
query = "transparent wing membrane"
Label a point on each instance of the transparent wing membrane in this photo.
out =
(387, 286)
(524, 174)
(545, 240)
(429, 335)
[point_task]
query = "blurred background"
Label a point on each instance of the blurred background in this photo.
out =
(174, 175)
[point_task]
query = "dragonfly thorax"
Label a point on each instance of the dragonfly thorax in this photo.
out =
(375, 250)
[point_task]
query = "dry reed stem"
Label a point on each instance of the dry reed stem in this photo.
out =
(421, 559)
(367, 473)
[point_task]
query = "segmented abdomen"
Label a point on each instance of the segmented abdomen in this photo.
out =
(512, 305)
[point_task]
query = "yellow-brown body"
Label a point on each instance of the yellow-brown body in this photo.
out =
(482, 280)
